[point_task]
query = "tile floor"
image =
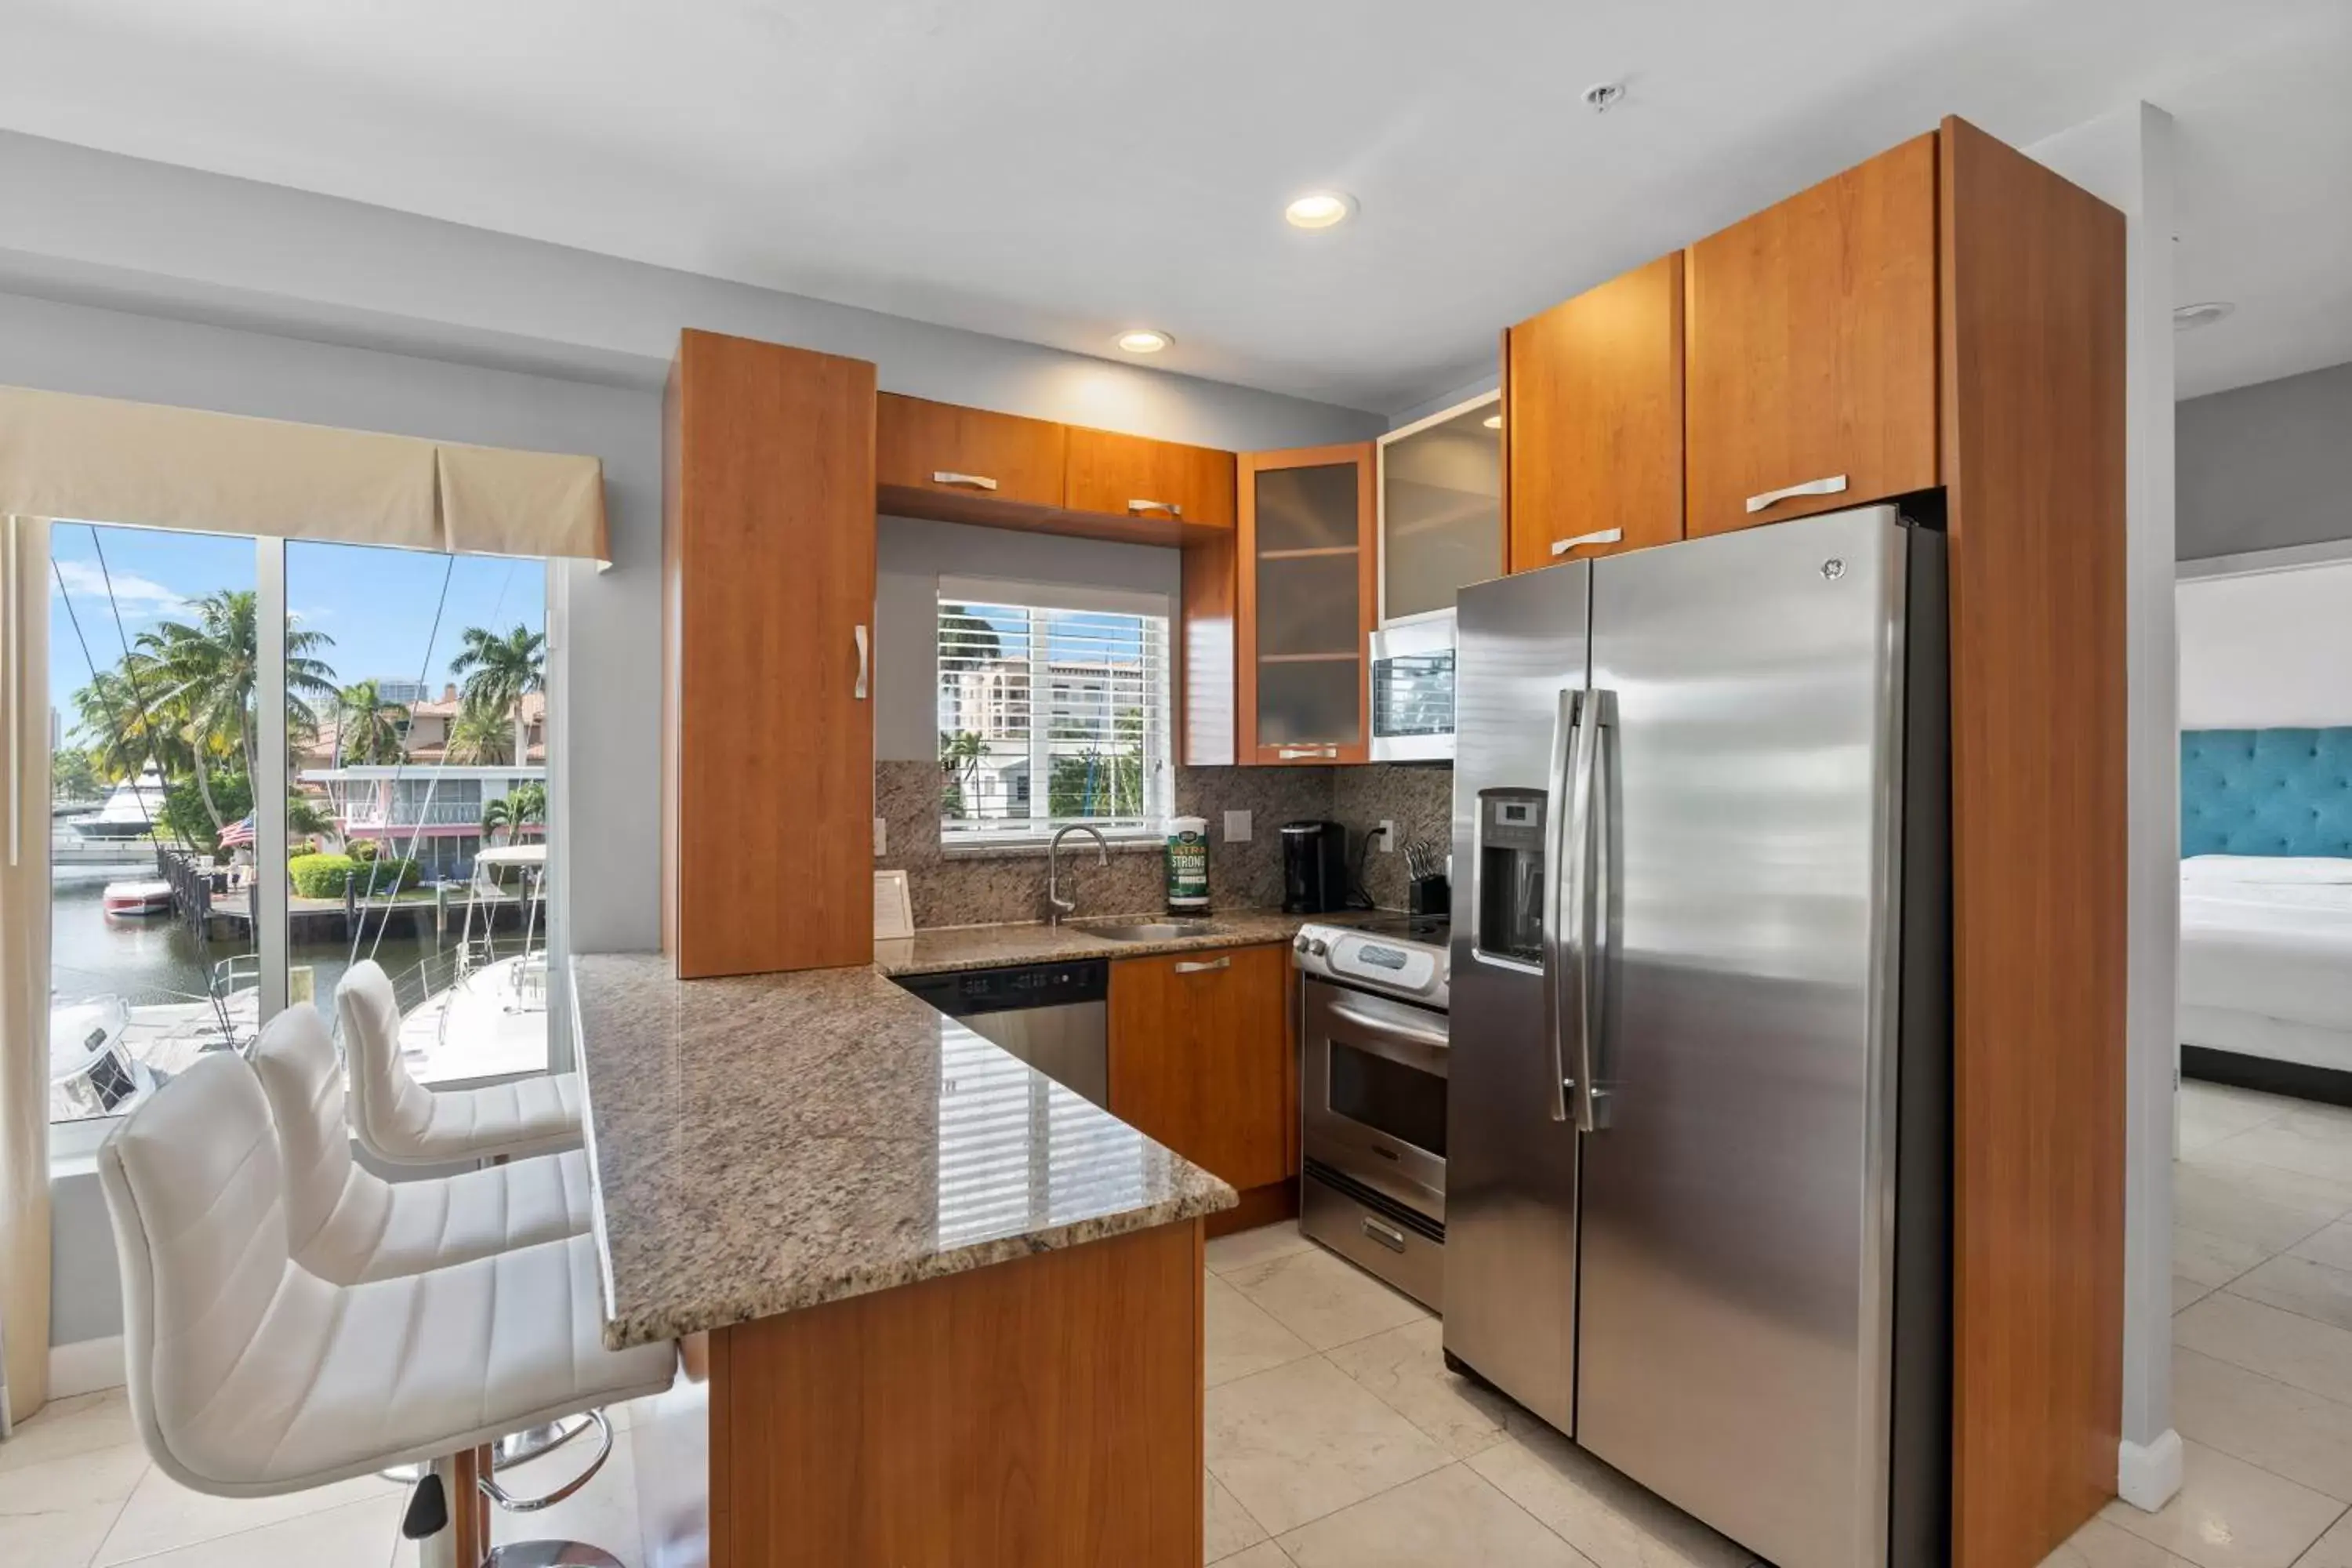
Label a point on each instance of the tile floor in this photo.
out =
(1337, 1438)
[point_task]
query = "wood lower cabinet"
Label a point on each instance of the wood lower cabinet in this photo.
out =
(1308, 564)
(1812, 349)
(1592, 422)
(768, 605)
(1113, 475)
(1201, 1059)
(937, 459)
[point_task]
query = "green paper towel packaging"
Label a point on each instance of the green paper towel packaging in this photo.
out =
(1188, 866)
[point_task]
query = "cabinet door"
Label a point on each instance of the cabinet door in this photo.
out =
(1306, 604)
(972, 453)
(1441, 508)
(1812, 331)
(1592, 398)
(1131, 476)
(1200, 1059)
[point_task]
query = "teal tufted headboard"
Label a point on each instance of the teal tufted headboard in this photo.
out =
(2266, 792)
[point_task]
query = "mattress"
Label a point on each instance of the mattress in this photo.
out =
(2266, 956)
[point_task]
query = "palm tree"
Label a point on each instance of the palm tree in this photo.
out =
(371, 727)
(500, 671)
(521, 808)
(117, 715)
(967, 640)
(960, 753)
(210, 672)
(480, 737)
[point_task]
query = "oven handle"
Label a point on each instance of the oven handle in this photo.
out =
(1433, 1039)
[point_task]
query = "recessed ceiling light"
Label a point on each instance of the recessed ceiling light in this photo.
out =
(1144, 340)
(1319, 209)
(1493, 422)
(2188, 318)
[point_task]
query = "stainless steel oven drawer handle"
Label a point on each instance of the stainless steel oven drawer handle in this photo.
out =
(1435, 1038)
(1202, 966)
(1833, 485)
(950, 477)
(1172, 509)
(1388, 1236)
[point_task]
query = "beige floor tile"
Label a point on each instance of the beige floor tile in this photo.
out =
(2188, 1293)
(2250, 1201)
(2210, 1113)
(2315, 1142)
(55, 1514)
(1227, 1525)
(2212, 1259)
(1322, 1299)
(1244, 1248)
(1303, 1440)
(1451, 1518)
(1612, 1521)
(2285, 1430)
(356, 1535)
(2333, 1549)
(162, 1515)
(2231, 1514)
(1264, 1555)
(2099, 1544)
(1240, 1339)
(1406, 1368)
(2284, 1346)
(2300, 1285)
(81, 1424)
(2331, 1247)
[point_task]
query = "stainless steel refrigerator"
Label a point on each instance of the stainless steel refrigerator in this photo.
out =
(1698, 1136)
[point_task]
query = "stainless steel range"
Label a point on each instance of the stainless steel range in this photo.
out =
(1373, 996)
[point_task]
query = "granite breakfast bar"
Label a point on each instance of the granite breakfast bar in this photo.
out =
(936, 1309)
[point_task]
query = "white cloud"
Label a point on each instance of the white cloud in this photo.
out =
(141, 598)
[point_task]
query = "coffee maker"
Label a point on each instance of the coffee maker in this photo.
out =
(1314, 868)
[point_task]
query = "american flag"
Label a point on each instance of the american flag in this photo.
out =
(238, 835)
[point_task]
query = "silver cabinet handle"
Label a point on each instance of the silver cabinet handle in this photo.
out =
(1388, 1236)
(859, 693)
(1202, 966)
(949, 477)
(1565, 729)
(1291, 753)
(1169, 507)
(1598, 536)
(1833, 485)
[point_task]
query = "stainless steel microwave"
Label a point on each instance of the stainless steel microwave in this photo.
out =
(1413, 689)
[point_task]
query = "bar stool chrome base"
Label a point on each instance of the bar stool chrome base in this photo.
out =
(550, 1554)
(514, 1448)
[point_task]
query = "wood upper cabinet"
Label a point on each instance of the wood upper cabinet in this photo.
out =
(967, 453)
(768, 601)
(1201, 1059)
(1133, 476)
(1307, 564)
(1811, 343)
(1593, 422)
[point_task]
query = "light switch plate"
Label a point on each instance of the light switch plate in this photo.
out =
(1237, 826)
(881, 837)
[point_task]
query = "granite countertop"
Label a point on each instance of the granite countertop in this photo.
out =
(940, 949)
(762, 1144)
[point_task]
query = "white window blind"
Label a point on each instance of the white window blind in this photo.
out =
(1054, 709)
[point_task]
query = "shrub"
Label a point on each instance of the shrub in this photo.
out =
(325, 876)
(363, 850)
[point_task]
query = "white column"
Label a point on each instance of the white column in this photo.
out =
(2127, 159)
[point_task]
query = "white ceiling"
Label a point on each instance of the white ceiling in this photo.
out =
(1055, 170)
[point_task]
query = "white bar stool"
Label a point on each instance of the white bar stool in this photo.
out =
(402, 1122)
(250, 1376)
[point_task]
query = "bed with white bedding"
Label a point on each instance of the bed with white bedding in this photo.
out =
(2266, 959)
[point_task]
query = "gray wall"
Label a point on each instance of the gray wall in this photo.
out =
(2267, 465)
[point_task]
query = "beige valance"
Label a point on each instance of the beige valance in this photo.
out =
(100, 460)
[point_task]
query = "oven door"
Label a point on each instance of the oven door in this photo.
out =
(1373, 1092)
(1413, 689)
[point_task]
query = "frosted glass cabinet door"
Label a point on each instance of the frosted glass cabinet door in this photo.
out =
(1441, 508)
(1307, 603)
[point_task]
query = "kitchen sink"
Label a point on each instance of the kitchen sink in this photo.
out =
(1149, 931)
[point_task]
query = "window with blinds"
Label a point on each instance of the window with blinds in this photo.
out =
(1054, 709)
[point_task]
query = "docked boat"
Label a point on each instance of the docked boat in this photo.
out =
(92, 1069)
(136, 900)
(131, 809)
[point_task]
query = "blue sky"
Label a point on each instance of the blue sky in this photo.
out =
(376, 603)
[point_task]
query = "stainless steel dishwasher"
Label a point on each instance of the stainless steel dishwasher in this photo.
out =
(1054, 1017)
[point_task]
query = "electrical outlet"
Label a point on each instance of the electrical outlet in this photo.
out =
(1237, 826)
(881, 837)
(1388, 835)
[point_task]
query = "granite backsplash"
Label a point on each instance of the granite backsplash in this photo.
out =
(970, 890)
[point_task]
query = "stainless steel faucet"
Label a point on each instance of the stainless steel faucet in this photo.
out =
(1058, 906)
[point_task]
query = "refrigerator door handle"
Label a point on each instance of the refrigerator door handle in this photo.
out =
(1593, 873)
(1565, 732)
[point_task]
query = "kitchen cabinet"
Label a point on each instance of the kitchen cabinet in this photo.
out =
(938, 459)
(1114, 475)
(1441, 508)
(1593, 411)
(1201, 1059)
(768, 601)
(1307, 557)
(1812, 349)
